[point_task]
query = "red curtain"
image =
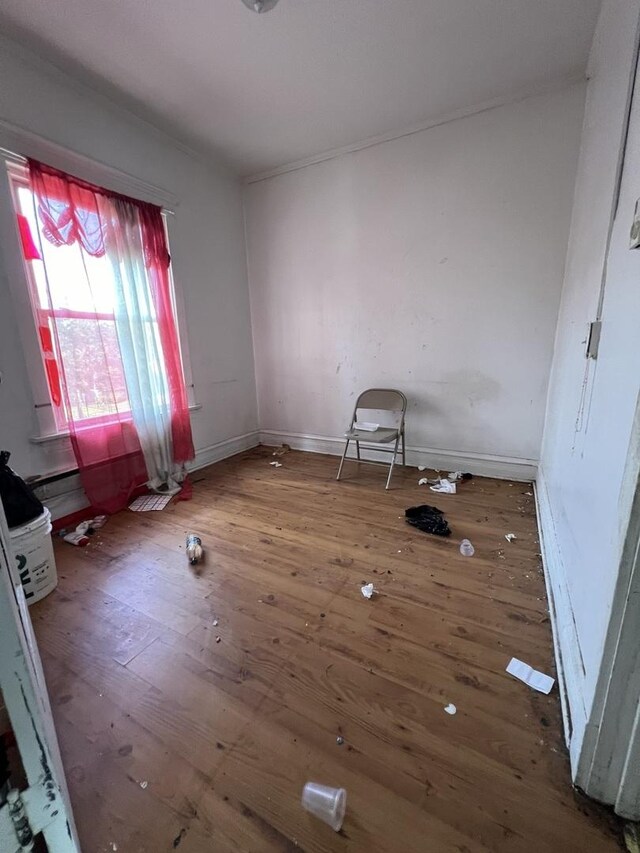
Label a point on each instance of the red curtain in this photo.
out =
(107, 449)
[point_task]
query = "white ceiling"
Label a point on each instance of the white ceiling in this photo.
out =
(311, 75)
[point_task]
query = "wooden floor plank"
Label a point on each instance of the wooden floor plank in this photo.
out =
(192, 706)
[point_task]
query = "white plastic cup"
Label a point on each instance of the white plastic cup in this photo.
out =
(466, 548)
(328, 804)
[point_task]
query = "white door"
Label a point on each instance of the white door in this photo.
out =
(44, 807)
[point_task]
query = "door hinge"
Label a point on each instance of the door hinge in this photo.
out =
(593, 339)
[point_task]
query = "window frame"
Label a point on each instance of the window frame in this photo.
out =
(21, 280)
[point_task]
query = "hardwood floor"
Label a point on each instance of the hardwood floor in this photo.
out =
(192, 708)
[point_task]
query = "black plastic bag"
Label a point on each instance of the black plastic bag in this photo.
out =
(19, 502)
(427, 518)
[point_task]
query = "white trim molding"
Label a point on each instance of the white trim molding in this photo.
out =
(25, 143)
(484, 465)
(223, 449)
(569, 665)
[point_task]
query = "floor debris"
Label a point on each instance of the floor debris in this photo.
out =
(146, 503)
(194, 549)
(423, 481)
(510, 537)
(422, 467)
(451, 709)
(444, 486)
(280, 451)
(530, 676)
(327, 804)
(144, 784)
(466, 548)
(367, 590)
(179, 837)
(75, 538)
(276, 464)
(215, 623)
(339, 740)
(427, 518)
(90, 526)
(459, 475)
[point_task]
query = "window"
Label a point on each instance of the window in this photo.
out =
(58, 279)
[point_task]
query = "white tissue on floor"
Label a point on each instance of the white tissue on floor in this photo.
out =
(367, 590)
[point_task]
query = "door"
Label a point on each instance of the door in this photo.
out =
(44, 807)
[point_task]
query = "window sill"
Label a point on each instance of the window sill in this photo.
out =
(64, 434)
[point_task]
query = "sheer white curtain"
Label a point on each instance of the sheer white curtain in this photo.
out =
(139, 337)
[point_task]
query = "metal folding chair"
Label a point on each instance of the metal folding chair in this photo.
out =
(379, 399)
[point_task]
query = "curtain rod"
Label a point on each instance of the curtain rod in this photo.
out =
(13, 157)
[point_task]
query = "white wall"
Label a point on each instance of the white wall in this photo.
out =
(207, 242)
(584, 502)
(432, 263)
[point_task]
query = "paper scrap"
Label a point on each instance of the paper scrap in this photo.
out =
(444, 486)
(365, 426)
(276, 464)
(537, 680)
(451, 709)
(368, 590)
(423, 481)
(145, 503)
(144, 784)
(510, 537)
(422, 467)
(454, 475)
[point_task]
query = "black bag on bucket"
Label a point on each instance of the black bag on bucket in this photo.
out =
(19, 502)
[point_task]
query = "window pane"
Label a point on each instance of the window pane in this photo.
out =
(69, 270)
(93, 368)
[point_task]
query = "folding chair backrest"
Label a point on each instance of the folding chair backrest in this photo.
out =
(382, 400)
(385, 399)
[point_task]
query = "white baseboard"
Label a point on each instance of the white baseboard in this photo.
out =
(223, 449)
(502, 467)
(565, 636)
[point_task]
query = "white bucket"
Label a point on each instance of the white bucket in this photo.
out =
(32, 549)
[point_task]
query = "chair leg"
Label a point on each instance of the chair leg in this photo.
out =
(393, 462)
(358, 450)
(404, 457)
(346, 447)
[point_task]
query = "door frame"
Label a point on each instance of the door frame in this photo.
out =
(609, 763)
(46, 801)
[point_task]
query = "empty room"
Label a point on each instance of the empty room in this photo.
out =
(319, 426)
